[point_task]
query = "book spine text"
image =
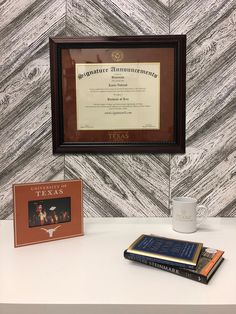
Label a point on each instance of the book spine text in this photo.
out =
(169, 268)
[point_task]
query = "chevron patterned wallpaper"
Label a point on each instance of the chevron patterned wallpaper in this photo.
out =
(122, 184)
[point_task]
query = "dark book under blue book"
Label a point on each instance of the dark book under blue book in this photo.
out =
(209, 261)
(167, 251)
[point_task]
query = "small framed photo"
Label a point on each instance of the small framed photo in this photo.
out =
(120, 94)
(47, 211)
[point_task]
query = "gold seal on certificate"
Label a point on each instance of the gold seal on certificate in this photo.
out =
(123, 96)
(117, 55)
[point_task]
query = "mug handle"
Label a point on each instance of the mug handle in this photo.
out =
(204, 216)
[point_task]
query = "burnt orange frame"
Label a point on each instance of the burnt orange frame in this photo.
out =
(53, 191)
(169, 50)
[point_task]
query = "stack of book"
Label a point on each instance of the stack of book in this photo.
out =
(184, 258)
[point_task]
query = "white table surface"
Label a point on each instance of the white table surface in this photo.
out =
(88, 274)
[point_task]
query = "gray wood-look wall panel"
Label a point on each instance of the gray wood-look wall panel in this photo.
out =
(117, 17)
(207, 170)
(121, 184)
(25, 106)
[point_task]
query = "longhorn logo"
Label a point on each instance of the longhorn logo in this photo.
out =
(50, 231)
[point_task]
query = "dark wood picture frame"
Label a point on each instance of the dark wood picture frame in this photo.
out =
(167, 50)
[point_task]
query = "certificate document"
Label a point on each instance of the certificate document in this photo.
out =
(118, 96)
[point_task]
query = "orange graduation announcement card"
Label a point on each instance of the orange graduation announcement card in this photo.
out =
(47, 211)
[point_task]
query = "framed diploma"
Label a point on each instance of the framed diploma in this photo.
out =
(118, 94)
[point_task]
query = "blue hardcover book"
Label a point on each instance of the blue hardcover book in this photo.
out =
(167, 251)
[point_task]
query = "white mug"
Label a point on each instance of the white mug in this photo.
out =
(184, 214)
